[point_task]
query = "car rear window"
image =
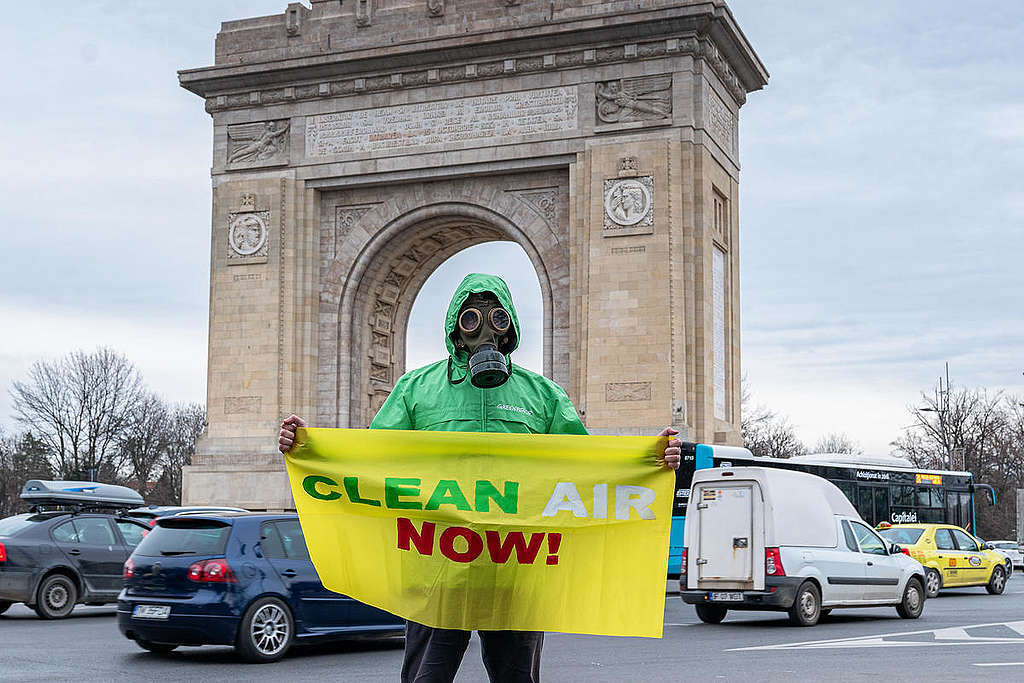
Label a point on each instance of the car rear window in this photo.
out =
(12, 525)
(1006, 546)
(177, 536)
(904, 536)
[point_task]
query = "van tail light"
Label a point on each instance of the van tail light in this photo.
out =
(129, 568)
(773, 562)
(3, 553)
(212, 571)
(682, 565)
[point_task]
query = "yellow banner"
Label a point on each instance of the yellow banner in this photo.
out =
(490, 531)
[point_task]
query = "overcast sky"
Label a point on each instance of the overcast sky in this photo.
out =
(881, 214)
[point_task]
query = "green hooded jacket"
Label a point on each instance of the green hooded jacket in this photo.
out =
(527, 403)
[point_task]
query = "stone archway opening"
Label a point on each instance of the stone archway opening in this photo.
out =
(423, 341)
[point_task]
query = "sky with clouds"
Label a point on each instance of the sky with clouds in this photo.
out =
(881, 215)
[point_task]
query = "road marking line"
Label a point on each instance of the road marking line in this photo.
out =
(1002, 664)
(956, 635)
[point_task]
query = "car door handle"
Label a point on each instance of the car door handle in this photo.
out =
(871, 564)
(74, 551)
(290, 573)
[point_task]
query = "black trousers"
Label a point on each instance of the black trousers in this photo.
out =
(433, 655)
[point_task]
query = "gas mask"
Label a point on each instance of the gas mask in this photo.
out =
(484, 330)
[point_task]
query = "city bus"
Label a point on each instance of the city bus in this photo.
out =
(882, 488)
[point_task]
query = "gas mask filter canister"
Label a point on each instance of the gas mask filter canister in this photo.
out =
(481, 332)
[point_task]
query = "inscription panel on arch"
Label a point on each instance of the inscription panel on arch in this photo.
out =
(488, 119)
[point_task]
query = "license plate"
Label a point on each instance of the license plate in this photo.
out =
(151, 611)
(726, 597)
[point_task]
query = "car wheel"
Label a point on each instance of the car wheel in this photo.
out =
(997, 584)
(1009, 568)
(266, 631)
(158, 648)
(932, 583)
(711, 614)
(56, 597)
(913, 600)
(806, 609)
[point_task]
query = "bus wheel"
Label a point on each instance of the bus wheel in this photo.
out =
(932, 582)
(997, 584)
(711, 614)
(806, 609)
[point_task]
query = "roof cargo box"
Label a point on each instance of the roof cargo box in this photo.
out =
(79, 493)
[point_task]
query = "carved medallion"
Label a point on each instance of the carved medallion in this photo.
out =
(247, 234)
(435, 8)
(629, 205)
(635, 99)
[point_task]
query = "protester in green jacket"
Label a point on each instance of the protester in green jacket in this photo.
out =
(476, 389)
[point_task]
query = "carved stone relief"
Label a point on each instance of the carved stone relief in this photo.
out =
(628, 206)
(345, 218)
(627, 391)
(364, 12)
(720, 121)
(264, 143)
(543, 201)
(635, 99)
(242, 405)
(435, 8)
(248, 233)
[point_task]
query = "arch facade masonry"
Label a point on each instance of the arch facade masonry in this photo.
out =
(359, 145)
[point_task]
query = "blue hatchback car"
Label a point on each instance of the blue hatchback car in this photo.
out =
(241, 579)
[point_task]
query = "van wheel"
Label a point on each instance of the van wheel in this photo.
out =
(266, 631)
(997, 584)
(932, 582)
(711, 614)
(806, 609)
(56, 597)
(913, 600)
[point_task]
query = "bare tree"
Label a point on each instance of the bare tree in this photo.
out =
(184, 425)
(837, 443)
(765, 433)
(22, 457)
(77, 406)
(142, 442)
(978, 431)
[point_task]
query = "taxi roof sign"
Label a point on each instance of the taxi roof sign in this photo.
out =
(79, 493)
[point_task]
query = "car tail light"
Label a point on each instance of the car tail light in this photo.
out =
(682, 565)
(152, 522)
(773, 562)
(905, 551)
(212, 571)
(3, 553)
(129, 568)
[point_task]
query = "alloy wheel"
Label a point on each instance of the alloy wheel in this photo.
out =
(269, 630)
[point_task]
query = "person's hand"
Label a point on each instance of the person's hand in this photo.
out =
(288, 427)
(674, 448)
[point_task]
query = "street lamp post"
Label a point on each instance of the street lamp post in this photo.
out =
(941, 408)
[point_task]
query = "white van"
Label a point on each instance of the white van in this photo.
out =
(767, 539)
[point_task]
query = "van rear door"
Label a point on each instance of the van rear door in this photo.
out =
(726, 543)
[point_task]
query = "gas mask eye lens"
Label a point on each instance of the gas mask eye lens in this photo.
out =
(500, 319)
(469, 320)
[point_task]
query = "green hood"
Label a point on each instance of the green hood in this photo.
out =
(475, 283)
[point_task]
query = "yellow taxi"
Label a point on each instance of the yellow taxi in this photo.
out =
(951, 556)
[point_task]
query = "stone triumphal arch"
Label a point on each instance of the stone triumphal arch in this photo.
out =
(358, 145)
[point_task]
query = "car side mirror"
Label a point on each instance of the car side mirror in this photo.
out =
(895, 549)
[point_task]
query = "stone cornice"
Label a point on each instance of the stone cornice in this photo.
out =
(708, 32)
(700, 48)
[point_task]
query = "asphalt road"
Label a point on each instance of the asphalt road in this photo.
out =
(962, 633)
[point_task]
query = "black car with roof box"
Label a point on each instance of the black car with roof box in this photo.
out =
(52, 560)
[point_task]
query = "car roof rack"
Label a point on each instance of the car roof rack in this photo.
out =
(78, 495)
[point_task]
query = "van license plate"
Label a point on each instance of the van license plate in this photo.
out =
(151, 611)
(726, 597)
